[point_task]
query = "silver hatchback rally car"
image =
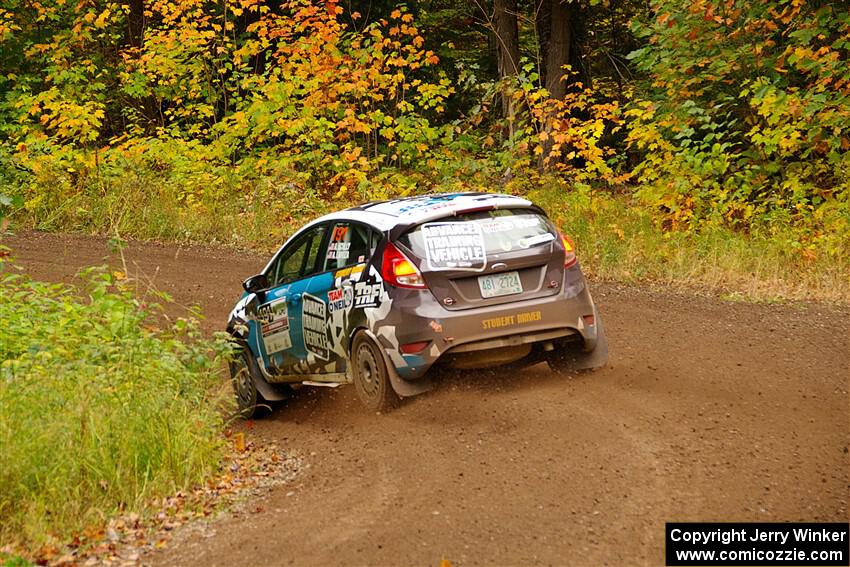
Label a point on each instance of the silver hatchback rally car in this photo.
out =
(378, 294)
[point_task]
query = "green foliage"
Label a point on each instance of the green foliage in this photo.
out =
(99, 409)
(619, 241)
(233, 121)
(744, 117)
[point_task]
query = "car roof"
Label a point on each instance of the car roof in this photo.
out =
(386, 215)
(408, 211)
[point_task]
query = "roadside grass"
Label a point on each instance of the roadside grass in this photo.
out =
(101, 411)
(618, 238)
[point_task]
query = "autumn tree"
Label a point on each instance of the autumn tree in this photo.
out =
(745, 109)
(506, 32)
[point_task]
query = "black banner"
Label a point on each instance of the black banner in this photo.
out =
(762, 544)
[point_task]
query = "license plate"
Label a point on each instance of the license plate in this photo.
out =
(500, 284)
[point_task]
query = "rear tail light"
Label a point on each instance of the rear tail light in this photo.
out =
(414, 348)
(570, 257)
(397, 269)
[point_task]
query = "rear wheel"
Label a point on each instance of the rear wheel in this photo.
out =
(371, 377)
(242, 371)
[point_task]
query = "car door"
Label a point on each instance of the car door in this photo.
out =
(278, 331)
(328, 305)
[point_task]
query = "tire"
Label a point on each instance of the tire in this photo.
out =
(371, 377)
(250, 402)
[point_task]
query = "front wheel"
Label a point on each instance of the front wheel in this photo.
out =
(248, 399)
(371, 377)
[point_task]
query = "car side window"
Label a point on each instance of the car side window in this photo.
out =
(350, 243)
(299, 259)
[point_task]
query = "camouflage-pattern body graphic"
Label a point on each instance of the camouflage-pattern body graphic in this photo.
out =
(303, 330)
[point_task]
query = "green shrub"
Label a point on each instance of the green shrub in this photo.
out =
(99, 409)
(617, 240)
(743, 115)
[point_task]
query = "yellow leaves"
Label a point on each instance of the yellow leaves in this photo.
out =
(618, 231)
(103, 19)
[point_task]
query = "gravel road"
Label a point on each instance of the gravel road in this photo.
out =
(708, 411)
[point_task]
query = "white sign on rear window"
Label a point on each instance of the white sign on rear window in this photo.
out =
(454, 246)
(507, 224)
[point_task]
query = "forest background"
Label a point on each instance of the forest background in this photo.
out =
(701, 145)
(693, 143)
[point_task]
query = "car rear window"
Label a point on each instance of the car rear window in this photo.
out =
(464, 242)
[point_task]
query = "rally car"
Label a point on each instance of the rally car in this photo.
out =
(377, 295)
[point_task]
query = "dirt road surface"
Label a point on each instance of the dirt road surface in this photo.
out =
(709, 411)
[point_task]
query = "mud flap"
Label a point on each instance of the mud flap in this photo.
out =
(598, 357)
(403, 388)
(583, 360)
(406, 388)
(269, 392)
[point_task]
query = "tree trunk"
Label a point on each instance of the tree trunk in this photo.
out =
(542, 28)
(507, 43)
(559, 46)
(135, 23)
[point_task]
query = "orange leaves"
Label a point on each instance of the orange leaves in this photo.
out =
(571, 128)
(346, 99)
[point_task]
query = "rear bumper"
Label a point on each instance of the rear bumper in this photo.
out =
(418, 317)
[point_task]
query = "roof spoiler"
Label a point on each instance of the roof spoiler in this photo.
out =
(400, 229)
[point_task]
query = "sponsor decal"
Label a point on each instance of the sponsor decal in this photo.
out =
(349, 274)
(510, 320)
(504, 224)
(338, 250)
(339, 233)
(314, 317)
(430, 204)
(340, 299)
(535, 240)
(454, 246)
(350, 271)
(367, 294)
(497, 225)
(274, 325)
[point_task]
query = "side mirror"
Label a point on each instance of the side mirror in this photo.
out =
(256, 284)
